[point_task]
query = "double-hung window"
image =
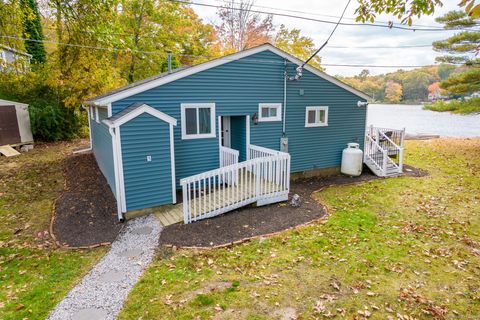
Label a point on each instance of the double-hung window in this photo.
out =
(316, 117)
(269, 112)
(198, 120)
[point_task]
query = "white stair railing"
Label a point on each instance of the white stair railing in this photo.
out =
(263, 180)
(384, 150)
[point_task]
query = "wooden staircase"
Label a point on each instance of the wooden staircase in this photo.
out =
(384, 151)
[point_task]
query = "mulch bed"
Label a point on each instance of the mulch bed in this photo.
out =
(248, 222)
(86, 211)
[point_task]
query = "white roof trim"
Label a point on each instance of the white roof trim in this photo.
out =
(13, 103)
(217, 62)
(138, 111)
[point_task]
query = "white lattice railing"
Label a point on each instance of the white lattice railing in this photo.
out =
(263, 180)
(228, 156)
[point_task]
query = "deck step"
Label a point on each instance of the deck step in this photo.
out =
(8, 151)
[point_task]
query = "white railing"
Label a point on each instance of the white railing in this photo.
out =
(384, 150)
(254, 152)
(228, 156)
(375, 154)
(263, 180)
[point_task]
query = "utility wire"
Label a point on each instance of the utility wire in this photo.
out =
(314, 19)
(265, 61)
(326, 15)
(330, 36)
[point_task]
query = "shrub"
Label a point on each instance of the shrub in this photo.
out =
(53, 122)
(456, 106)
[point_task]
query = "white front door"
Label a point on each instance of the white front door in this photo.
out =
(226, 132)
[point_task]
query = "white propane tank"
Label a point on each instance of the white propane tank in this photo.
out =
(352, 160)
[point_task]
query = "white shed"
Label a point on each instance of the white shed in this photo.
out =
(14, 123)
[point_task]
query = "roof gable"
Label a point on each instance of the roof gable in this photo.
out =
(134, 111)
(163, 78)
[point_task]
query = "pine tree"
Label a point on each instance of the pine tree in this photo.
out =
(461, 48)
(32, 29)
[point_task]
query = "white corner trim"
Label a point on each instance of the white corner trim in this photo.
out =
(248, 136)
(109, 110)
(277, 106)
(316, 108)
(197, 106)
(140, 110)
(217, 62)
(97, 117)
(118, 194)
(172, 164)
(120, 169)
(91, 112)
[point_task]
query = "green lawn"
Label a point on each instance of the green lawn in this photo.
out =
(34, 276)
(399, 247)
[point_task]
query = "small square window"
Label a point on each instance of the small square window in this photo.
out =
(198, 120)
(316, 117)
(270, 112)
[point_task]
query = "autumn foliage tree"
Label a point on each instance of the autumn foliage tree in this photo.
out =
(393, 92)
(240, 28)
(300, 46)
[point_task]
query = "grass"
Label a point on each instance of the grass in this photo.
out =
(34, 275)
(456, 106)
(390, 248)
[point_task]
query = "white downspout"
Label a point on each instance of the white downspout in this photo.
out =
(284, 98)
(117, 174)
(89, 133)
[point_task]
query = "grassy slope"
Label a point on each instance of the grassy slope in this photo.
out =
(406, 246)
(456, 106)
(34, 275)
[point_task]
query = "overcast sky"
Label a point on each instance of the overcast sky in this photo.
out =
(351, 36)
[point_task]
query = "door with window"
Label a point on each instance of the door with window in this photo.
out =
(226, 134)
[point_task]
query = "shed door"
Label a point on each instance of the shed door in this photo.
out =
(9, 133)
(146, 161)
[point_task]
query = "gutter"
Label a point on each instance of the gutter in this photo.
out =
(284, 98)
(89, 133)
(118, 192)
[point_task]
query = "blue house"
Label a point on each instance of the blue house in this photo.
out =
(226, 133)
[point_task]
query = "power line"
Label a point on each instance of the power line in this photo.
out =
(326, 41)
(314, 19)
(329, 16)
(212, 57)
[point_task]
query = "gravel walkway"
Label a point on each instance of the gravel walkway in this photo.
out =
(101, 293)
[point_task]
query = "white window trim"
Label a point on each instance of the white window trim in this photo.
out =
(312, 125)
(278, 106)
(212, 133)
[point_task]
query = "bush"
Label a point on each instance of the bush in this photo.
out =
(50, 119)
(456, 106)
(53, 122)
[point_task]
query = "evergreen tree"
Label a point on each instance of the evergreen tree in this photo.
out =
(461, 48)
(32, 29)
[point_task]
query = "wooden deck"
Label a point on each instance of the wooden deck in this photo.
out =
(167, 214)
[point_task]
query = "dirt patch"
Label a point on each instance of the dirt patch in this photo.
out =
(86, 211)
(253, 221)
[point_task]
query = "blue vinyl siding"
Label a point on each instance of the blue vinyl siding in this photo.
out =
(237, 88)
(147, 184)
(102, 148)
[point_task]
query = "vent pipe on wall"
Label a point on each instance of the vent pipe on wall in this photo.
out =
(169, 57)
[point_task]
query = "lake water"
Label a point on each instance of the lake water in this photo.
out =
(416, 120)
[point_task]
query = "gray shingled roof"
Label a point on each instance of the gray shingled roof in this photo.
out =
(135, 84)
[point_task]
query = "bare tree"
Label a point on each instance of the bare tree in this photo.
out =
(241, 28)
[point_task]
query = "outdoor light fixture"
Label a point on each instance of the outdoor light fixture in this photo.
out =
(255, 118)
(362, 104)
